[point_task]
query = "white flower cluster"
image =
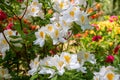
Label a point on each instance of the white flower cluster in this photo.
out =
(4, 74)
(106, 73)
(61, 22)
(60, 62)
(34, 10)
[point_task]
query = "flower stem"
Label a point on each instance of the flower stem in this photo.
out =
(25, 10)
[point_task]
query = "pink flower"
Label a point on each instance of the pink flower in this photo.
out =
(3, 15)
(96, 38)
(96, 26)
(113, 18)
(109, 58)
(9, 26)
(116, 49)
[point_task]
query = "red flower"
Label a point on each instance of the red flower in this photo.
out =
(52, 52)
(20, 1)
(3, 15)
(116, 49)
(96, 38)
(9, 26)
(25, 30)
(109, 58)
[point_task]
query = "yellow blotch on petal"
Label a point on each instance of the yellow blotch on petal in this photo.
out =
(4, 41)
(72, 13)
(36, 62)
(33, 10)
(56, 33)
(3, 71)
(35, 3)
(58, 25)
(41, 34)
(86, 55)
(10, 33)
(82, 19)
(67, 58)
(50, 28)
(61, 5)
(60, 63)
(110, 76)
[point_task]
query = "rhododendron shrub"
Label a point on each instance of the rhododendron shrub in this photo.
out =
(54, 40)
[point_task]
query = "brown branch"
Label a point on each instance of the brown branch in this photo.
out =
(25, 10)
(9, 43)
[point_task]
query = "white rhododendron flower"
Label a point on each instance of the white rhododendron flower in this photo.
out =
(4, 73)
(65, 25)
(106, 73)
(83, 21)
(55, 17)
(86, 56)
(71, 14)
(50, 28)
(70, 60)
(59, 64)
(61, 5)
(45, 63)
(9, 33)
(58, 36)
(79, 2)
(4, 46)
(40, 35)
(34, 65)
(34, 10)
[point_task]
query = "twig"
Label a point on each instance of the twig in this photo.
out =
(25, 10)
(9, 43)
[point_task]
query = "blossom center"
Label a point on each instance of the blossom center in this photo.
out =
(50, 28)
(33, 10)
(110, 76)
(86, 56)
(41, 34)
(60, 63)
(72, 13)
(82, 19)
(61, 5)
(56, 33)
(4, 41)
(67, 58)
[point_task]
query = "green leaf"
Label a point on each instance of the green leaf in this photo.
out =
(97, 0)
(54, 78)
(90, 2)
(34, 77)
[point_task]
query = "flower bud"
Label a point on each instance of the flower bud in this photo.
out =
(96, 38)
(110, 58)
(3, 15)
(116, 49)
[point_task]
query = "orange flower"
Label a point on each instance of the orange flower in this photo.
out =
(26, 21)
(77, 35)
(90, 10)
(98, 6)
(50, 11)
(72, 1)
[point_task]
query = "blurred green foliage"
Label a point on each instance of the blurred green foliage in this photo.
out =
(111, 7)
